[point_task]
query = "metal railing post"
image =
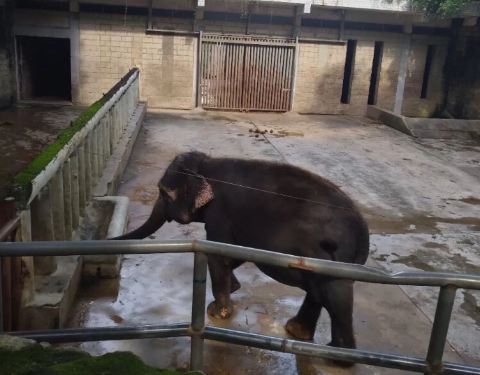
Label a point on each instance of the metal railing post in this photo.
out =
(438, 337)
(198, 311)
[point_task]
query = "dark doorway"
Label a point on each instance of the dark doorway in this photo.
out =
(44, 68)
(374, 78)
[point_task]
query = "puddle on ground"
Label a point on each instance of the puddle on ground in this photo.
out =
(470, 306)
(379, 224)
(427, 260)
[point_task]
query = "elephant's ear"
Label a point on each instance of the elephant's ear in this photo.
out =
(205, 195)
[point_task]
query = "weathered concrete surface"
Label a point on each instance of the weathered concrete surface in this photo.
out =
(25, 130)
(421, 200)
(434, 128)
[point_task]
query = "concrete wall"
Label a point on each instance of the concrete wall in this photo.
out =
(7, 73)
(464, 89)
(109, 48)
(321, 68)
(6, 79)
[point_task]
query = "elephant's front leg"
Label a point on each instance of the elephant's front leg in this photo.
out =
(221, 274)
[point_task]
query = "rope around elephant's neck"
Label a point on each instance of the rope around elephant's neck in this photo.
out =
(194, 174)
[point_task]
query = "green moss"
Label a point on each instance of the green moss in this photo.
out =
(22, 182)
(36, 360)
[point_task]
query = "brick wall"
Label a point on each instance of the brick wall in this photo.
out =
(109, 48)
(413, 105)
(320, 78)
(321, 69)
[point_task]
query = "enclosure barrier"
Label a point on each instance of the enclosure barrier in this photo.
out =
(196, 329)
(55, 188)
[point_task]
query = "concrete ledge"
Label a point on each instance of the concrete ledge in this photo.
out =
(427, 127)
(389, 118)
(108, 183)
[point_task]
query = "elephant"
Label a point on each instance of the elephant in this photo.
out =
(270, 206)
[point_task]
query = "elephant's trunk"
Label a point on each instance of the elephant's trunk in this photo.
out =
(156, 220)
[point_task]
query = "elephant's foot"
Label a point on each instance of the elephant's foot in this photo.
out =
(220, 312)
(298, 330)
(337, 362)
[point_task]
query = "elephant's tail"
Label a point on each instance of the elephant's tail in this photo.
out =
(363, 245)
(155, 221)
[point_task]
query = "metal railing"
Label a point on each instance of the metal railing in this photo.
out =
(196, 329)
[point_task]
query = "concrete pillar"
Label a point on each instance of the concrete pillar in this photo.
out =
(67, 199)
(75, 190)
(197, 22)
(43, 229)
(88, 168)
(26, 236)
(95, 155)
(58, 207)
(297, 20)
(82, 180)
(402, 74)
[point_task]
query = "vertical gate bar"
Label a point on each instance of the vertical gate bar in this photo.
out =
(273, 85)
(271, 67)
(199, 69)
(216, 51)
(222, 73)
(57, 205)
(288, 80)
(235, 76)
(294, 74)
(228, 75)
(82, 179)
(256, 84)
(279, 77)
(242, 76)
(280, 80)
(221, 82)
(267, 77)
(246, 79)
(210, 75)
(217, 74)
(198, 311)
(438, 337)
(261, 90)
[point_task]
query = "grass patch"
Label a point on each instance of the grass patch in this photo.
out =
(36, 360)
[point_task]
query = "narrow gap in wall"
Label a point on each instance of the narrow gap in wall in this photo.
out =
(375, 76)
(426, 71)
(348, 71)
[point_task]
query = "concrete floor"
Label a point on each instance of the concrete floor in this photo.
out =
(420, 197)
(27, 129)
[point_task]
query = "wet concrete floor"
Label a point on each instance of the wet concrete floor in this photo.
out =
(421, 199)
(27, 129)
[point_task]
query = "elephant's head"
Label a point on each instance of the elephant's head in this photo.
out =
(184, 189)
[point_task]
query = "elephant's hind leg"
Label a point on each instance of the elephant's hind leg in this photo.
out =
(338, 298)
(303, 325)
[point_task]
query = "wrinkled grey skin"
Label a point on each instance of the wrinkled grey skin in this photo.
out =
(274, 207)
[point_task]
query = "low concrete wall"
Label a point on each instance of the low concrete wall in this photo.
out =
(427, 127)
